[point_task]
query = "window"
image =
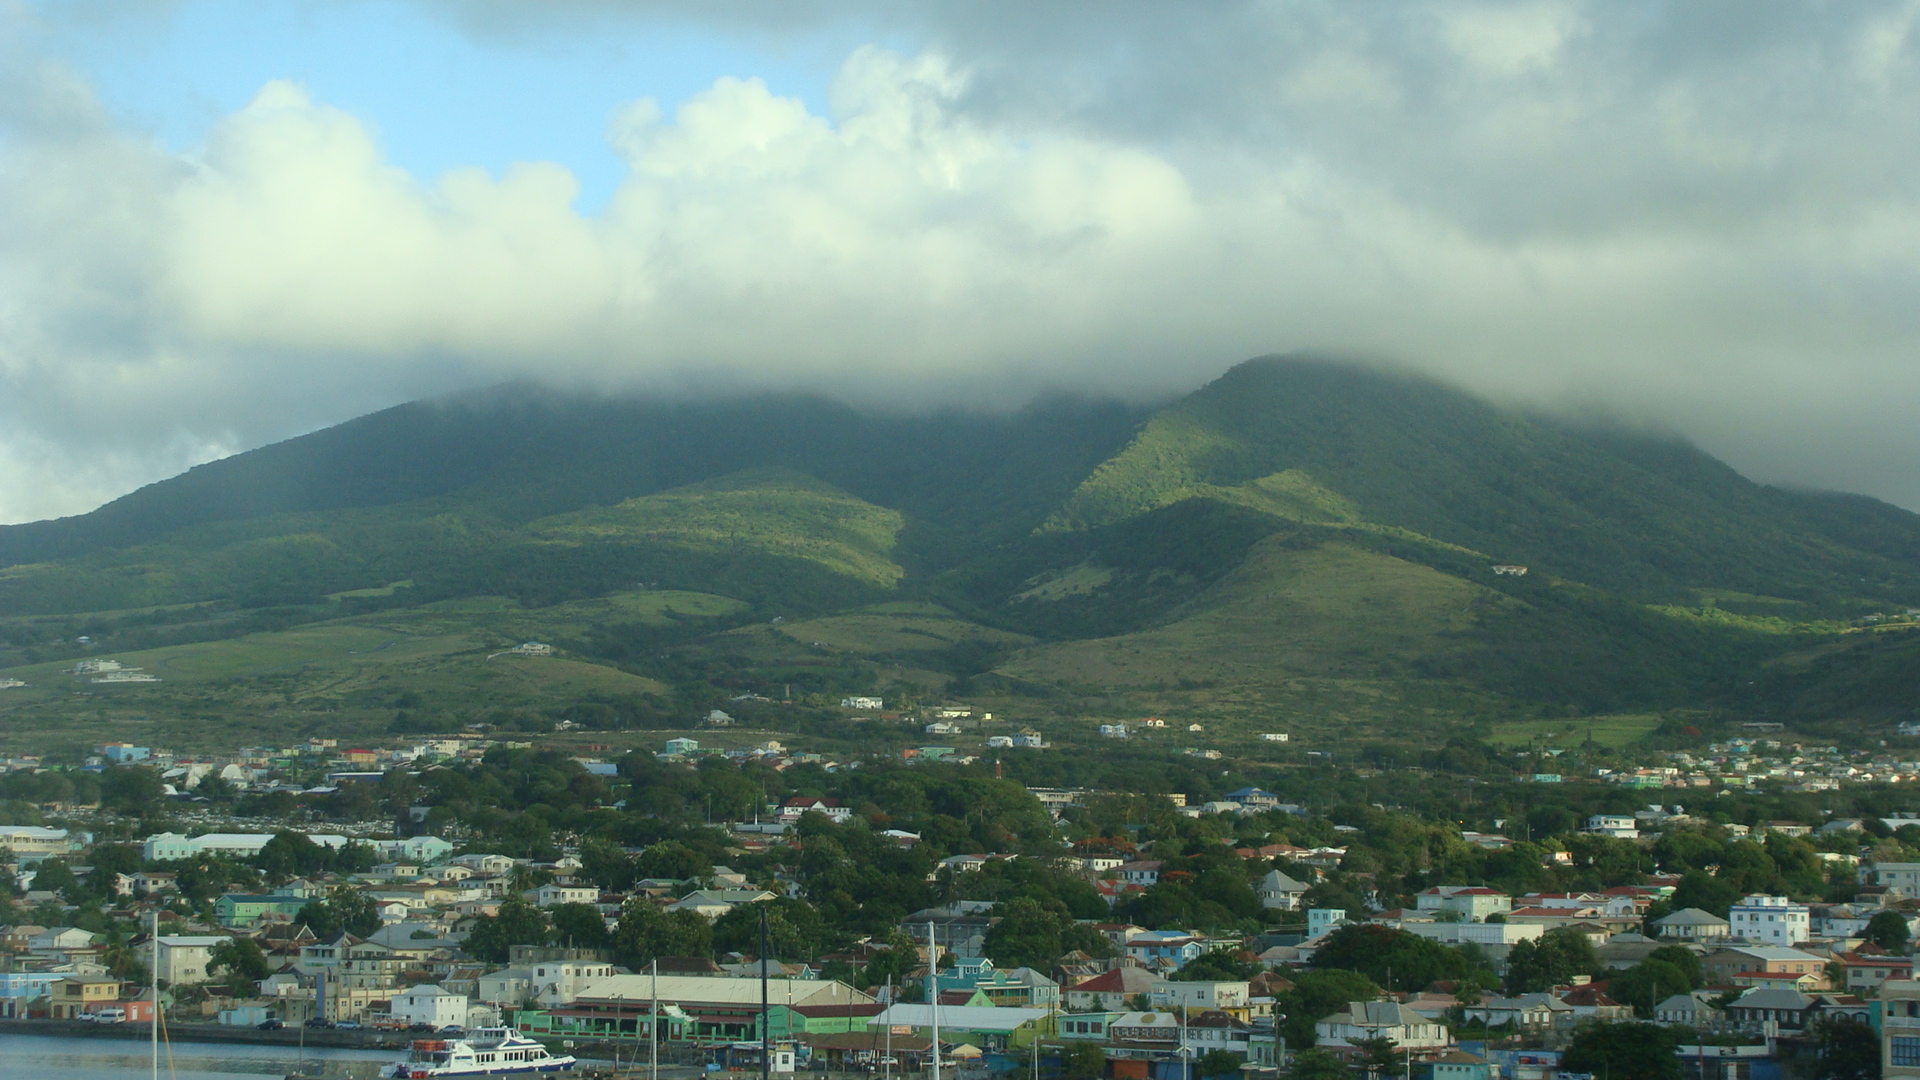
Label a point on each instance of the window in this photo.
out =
(1903, 1050)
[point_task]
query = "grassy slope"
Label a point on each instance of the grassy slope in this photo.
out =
(1331, 611)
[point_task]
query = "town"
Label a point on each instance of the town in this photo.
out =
(469, 881)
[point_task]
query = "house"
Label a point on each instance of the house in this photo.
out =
(74, 995)
(791, 810)
(1217, 1030)
(1865, 974)
(1191, 997)
(1783, 1008)
(1692, 1010)
(1900, 1029)
(1455, 1065)
(1278, 892)
(1111, 990)
(1087, 1026)
(237, 910)
(1254, 798)
(1364, 1020)
(184, 957)
(1617, 827)
(429, 1004)
(1144, 872)
(1722, 966)
(713, 903)
(554, 893)
(1692, 924)
(1165, 948)
(32, 843)
(868, 703)
(1471, 903)
(1904, 876)
(1770, 920)
(1273, 736)
(1528, 1012)
(682, 747)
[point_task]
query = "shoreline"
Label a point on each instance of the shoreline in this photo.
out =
(329, 1038)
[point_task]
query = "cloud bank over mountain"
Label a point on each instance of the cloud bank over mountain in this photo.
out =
(1697, 216)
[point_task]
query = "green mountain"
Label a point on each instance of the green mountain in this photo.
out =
(1299, 541)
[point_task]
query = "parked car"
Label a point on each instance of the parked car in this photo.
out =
(112, 1014)
(271, 1024)
(421, 1026)
(317, 1022)
(348, 1025)
(453, 1031)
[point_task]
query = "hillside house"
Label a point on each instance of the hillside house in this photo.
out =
(1278, 892)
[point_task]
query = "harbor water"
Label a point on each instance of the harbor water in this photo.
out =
(64, 1057)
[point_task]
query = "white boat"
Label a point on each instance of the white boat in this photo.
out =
(497, 1051)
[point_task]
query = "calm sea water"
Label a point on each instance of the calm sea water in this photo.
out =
(31, 1057)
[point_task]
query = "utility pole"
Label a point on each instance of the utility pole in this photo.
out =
(766, 1015)
(653, 1022)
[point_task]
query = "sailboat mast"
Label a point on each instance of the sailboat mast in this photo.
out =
(933, 996)
(766, 1016)
(653, 1023)
(153, 992)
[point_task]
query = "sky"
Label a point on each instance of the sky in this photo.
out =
(226, 223)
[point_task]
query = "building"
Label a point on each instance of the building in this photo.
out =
(74, 995)
(1472, 903)
(1904, 876)
(1900, 1029)
(1693, 924)
(553, 894)
(1364, 1020)
(1111, 990)
(184, 958)
(682, 747)
(429, 1004)
(239, 910)
(166, 847)
(1724, 965)
(1770, 920)
(32, 843)
(700, 1009)
(869, 703)
(713, 903)
(1619, 828)
(1278, 892)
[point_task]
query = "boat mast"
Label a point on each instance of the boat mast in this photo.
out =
(153, 992)
(653, 1023)
(933, 996)
(766, 1017)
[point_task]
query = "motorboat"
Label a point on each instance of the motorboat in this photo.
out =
(494, 1051)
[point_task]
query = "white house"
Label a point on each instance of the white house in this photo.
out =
(1278, 892)
(1324, 920)
(1172, 994)
(862, 703)
(1617, 827)
(559, 982)
(1770, 920)
(429, 1004)
(1365, 1020)
(184, 957)
(555, 893)
(1273, 736)
(713, 903)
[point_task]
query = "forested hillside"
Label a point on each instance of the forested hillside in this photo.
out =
(1298, 539)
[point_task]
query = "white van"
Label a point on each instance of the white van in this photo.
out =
(112, 1014)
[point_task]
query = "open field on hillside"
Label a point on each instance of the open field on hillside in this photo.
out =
(1614, 731)
(1331, 611)
(896, 627)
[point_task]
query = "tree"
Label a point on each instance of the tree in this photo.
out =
(1559, 954)
(645, 932)
(1080, 1060)
(242, 960)
(1318, 1065)
(1846, 1049)
(795, 930)
(1622, 1051)
(1646, 984)
(344, 908)
(1317, 995)
(1888, 929)
(1392, 958)
(518, 923)
(579, 926)
(1026, 935)
(1216, 1063)
(131, 789)
(1381, 1056)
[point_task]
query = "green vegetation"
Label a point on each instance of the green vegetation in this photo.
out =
(1298, 545)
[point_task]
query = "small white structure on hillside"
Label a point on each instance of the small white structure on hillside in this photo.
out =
(429, 1004)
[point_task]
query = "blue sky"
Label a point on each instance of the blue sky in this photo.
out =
(436, 96)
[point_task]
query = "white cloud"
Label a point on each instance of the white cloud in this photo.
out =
(1523, 203)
